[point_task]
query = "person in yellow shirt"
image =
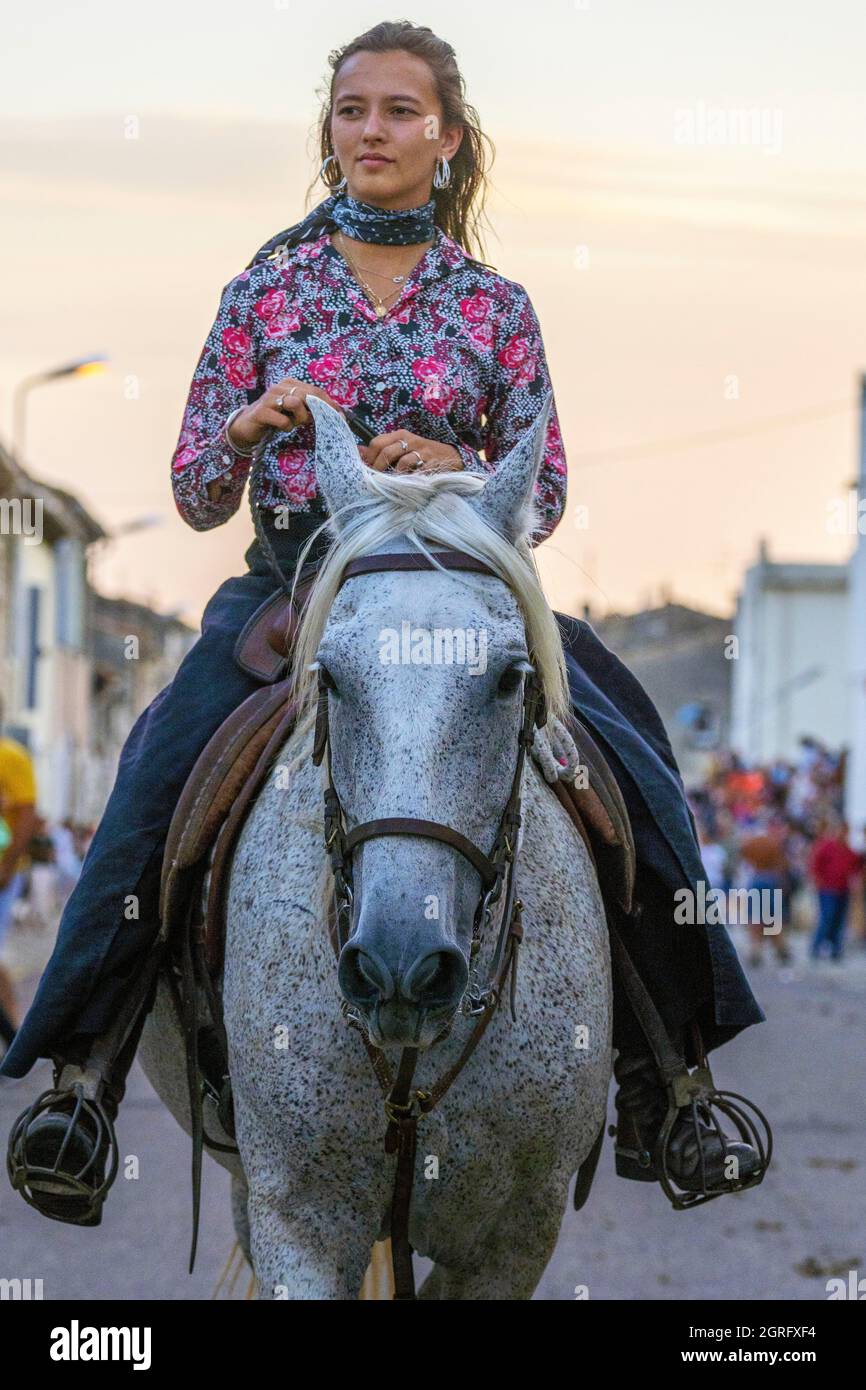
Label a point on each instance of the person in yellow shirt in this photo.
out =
(18, 811)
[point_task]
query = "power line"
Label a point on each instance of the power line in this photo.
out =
(703, 438)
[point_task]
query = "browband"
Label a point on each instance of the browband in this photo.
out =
(448, 559)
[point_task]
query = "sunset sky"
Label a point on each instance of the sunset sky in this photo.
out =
(703, 303)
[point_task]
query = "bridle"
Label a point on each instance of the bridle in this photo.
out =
(496, 871)
(493, 869)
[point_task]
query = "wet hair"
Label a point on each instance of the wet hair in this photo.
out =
(460, 206)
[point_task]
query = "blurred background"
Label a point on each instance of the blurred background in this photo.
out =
(681, 190)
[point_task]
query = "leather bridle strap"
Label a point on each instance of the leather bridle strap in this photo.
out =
(400, 562)
(432, 830)
(403, 1106)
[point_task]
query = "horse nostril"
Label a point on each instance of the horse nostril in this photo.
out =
(363, 978)
(438, 978)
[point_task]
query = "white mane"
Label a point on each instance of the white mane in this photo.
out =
(429, 507)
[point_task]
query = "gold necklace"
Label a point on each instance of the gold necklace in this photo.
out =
(368, 270)
(378, 301)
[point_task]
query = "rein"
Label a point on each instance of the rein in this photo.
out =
(403, 1105)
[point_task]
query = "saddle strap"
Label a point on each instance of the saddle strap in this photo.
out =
(670, 1062)
(214, 930)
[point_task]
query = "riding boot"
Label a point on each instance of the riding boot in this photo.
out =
(62, 1155)
(698, 1154)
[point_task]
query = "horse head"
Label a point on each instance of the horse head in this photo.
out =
(422, 675)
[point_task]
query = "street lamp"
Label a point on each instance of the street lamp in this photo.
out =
(94, 365)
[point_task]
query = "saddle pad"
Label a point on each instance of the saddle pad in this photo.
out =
(219, 773)
(602, 810)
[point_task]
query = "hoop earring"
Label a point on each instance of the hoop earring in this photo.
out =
(335, 188)
(442, 173)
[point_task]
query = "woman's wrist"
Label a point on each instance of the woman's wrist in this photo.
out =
(242, 453)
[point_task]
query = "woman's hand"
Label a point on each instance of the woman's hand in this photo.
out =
(281, 407)
(402, 452)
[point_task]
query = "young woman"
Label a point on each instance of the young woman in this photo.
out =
(372, 303)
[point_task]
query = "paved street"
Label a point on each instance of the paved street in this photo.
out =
(783, 1240)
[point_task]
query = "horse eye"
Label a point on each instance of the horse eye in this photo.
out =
(510, 680)
(326, 678)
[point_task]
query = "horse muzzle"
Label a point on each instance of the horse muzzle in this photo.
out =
(405, 1006)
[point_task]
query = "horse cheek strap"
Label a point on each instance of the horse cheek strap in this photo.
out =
(320, 738)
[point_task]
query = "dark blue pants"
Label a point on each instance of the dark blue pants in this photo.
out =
(110, 918)
(832, 911)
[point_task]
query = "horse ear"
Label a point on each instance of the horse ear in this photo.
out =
(505, 501)
(339, 467)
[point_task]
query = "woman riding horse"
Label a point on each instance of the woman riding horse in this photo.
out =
(373, 304)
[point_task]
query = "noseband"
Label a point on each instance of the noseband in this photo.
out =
(494, 869)
(403, 1106)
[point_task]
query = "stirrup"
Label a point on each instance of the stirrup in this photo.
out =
(80, 1186)
(697, 1091)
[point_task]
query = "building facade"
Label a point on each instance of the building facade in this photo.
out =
(791, 670)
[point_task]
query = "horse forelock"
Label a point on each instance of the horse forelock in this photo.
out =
(429, 509)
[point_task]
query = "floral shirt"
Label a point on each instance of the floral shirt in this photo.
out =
(458, 357)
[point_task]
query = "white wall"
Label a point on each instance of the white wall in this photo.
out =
(790, 677)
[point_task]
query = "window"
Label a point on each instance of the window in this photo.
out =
(69, 583)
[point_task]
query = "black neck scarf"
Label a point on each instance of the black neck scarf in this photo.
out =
(361, 221)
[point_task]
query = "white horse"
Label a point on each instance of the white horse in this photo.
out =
(410, 738)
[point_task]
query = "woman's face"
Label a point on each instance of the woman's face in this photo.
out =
(385, 105)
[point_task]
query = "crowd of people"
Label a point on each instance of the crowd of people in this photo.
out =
(781, 828)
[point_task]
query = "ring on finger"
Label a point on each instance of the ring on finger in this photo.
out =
(403, 445)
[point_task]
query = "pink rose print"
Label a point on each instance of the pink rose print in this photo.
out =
(298, 475)
(277, 317)
(237, 340)
(477, 308)
(345, 392)
(282, 324)
(554, 435)
(482, 335)
(436, 395)
(240, 371)
(343, 385)
(323, 369)
(270, 304)
(427, 369)
(237, 361)
(518, 359)
(187, 449)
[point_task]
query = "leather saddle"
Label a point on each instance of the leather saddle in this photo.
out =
(236, 761)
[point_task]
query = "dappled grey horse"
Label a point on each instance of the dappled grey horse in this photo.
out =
(409, 736)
